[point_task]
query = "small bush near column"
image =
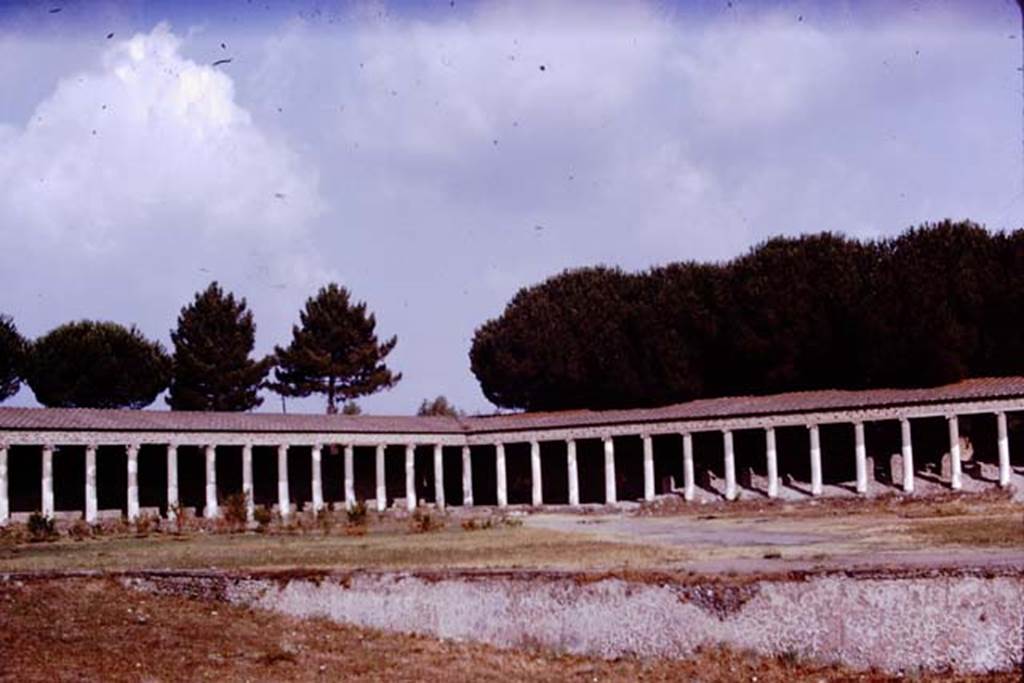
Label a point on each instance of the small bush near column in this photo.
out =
(263, 517)
(234, 508)
(180, 517)
(423, 522)
(147, 524)
(356, 519)
(41, 528)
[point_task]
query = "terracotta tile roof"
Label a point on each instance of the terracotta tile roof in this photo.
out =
(754, 406)
(82, 419)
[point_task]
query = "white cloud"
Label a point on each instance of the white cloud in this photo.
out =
(139, 180)
(149, 130)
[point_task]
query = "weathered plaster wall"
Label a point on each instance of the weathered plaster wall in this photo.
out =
(965, 621)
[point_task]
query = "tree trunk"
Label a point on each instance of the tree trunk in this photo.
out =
(332, 406)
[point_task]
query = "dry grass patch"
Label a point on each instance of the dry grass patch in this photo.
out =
(505, 548)
(1006, 531)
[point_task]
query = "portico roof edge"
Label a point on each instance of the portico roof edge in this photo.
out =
(982, 393)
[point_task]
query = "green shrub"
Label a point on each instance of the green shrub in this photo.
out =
(41, 528)
(477, 523)
(263, 517)
(177, 513)
(80, 530)
(423, 522)
(234, 509)
(146, 524)
(325, 520)
(356, 514)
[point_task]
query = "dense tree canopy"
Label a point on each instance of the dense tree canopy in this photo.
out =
(212, 347)
(92, 364)
(440, 406)
(334, 351)
(934, 305)
(12, 354)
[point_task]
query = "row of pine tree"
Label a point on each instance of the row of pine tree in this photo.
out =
(334, 351)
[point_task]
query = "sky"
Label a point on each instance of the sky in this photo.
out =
(436, 156)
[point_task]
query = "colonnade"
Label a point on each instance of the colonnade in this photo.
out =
(284, 500)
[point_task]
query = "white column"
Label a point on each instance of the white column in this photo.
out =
(47, 481)
(247, 491)
(537, 490)
(5, 505)
(908, 456)
(689, 485)
(773, 462)
(467, 478)
(382, 489)
(648, 468)
(499, 464)
(610, 490)
(815, 460)
(861, 457)
(284, 502)
(90, 485)
(730, 466)
(211, 510)
(133, 482)
(574, 473)
(316, 456)
(1004, 451)
(439, 476)
(350, 476)
(172, 477)
(410, 477)
(955, 481)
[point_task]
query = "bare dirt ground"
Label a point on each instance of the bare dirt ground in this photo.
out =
(96, 630)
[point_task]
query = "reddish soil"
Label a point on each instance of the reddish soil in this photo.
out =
(93, 629)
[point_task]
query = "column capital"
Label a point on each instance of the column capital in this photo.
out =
(951, 417)
(132, 447)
